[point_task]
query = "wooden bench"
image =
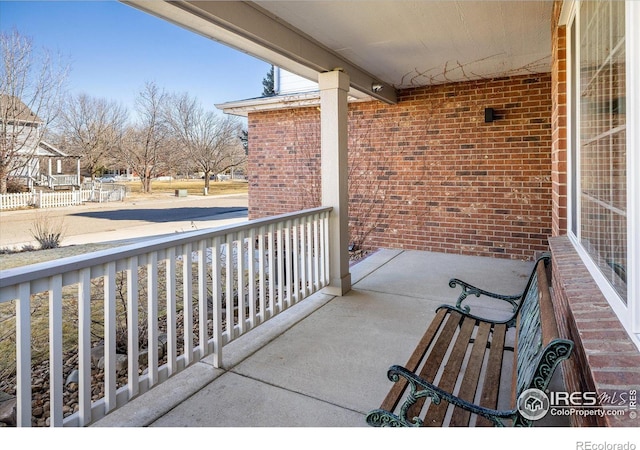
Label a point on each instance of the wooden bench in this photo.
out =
(454, 375)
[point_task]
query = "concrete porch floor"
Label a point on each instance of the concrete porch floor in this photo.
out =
(323, 362)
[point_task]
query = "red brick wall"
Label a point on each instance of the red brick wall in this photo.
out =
(427, 173)
(284, 161)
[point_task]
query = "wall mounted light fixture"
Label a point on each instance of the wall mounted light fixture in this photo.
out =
(489, 115)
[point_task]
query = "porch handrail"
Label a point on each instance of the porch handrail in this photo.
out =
(257, 269)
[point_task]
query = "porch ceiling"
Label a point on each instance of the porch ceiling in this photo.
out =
(417, 43)
(396, 43)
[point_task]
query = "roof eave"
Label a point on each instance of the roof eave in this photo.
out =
(300, 100)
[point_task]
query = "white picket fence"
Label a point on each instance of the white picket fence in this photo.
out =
(57, 199)
(60, 198)
(16, 201)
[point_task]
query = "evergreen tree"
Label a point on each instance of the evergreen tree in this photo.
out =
(268, 84)
(244, 138)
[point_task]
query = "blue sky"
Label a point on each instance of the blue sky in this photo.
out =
(113, 49)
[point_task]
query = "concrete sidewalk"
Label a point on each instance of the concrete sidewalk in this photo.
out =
(323, 362)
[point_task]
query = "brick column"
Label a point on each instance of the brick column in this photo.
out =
(559, 125)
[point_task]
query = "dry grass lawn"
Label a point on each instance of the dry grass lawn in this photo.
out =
(193, 187)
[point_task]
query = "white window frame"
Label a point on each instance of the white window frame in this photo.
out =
(629, 313)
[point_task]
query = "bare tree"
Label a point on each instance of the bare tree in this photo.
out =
(30, 86)
(212, 142)
(93, 129)
(145, 148)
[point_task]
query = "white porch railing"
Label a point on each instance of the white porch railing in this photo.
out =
(203, 289)
(65, 180)
(43, 180)
(52, 181)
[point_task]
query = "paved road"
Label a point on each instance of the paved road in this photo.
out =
(133, 218)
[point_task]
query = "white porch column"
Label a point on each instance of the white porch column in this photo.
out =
(333, 122)
(50, 179)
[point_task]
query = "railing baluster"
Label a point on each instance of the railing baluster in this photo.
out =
(252, 277)
(309, 286)
(172, 339)
(288, 264)
(325, 250)
(152, 318)
(229, 272)
(216, 289)
(240, 282)
(262, 273)
(23, 351)
(110, 337)
(272, 273)
(303, 258)
(295, 292)
(203, 304)
(187, 301)
(56, 382)
(84, 346)
(132, 326)
(279, 303)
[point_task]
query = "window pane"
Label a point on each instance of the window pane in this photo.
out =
(603, 184)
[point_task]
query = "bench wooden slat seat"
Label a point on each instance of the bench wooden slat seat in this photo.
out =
(454, 375)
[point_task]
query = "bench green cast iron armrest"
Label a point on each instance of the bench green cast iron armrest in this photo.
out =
(470, 290)
(421, 388)
(554, 353)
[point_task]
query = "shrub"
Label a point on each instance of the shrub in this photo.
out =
(15, 186)
(48, 231)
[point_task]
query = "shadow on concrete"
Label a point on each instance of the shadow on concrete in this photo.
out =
(160, 215)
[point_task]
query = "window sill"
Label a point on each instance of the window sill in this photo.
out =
(605, 360)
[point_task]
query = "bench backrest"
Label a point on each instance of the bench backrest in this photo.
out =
(529, 335)
(538, 348)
